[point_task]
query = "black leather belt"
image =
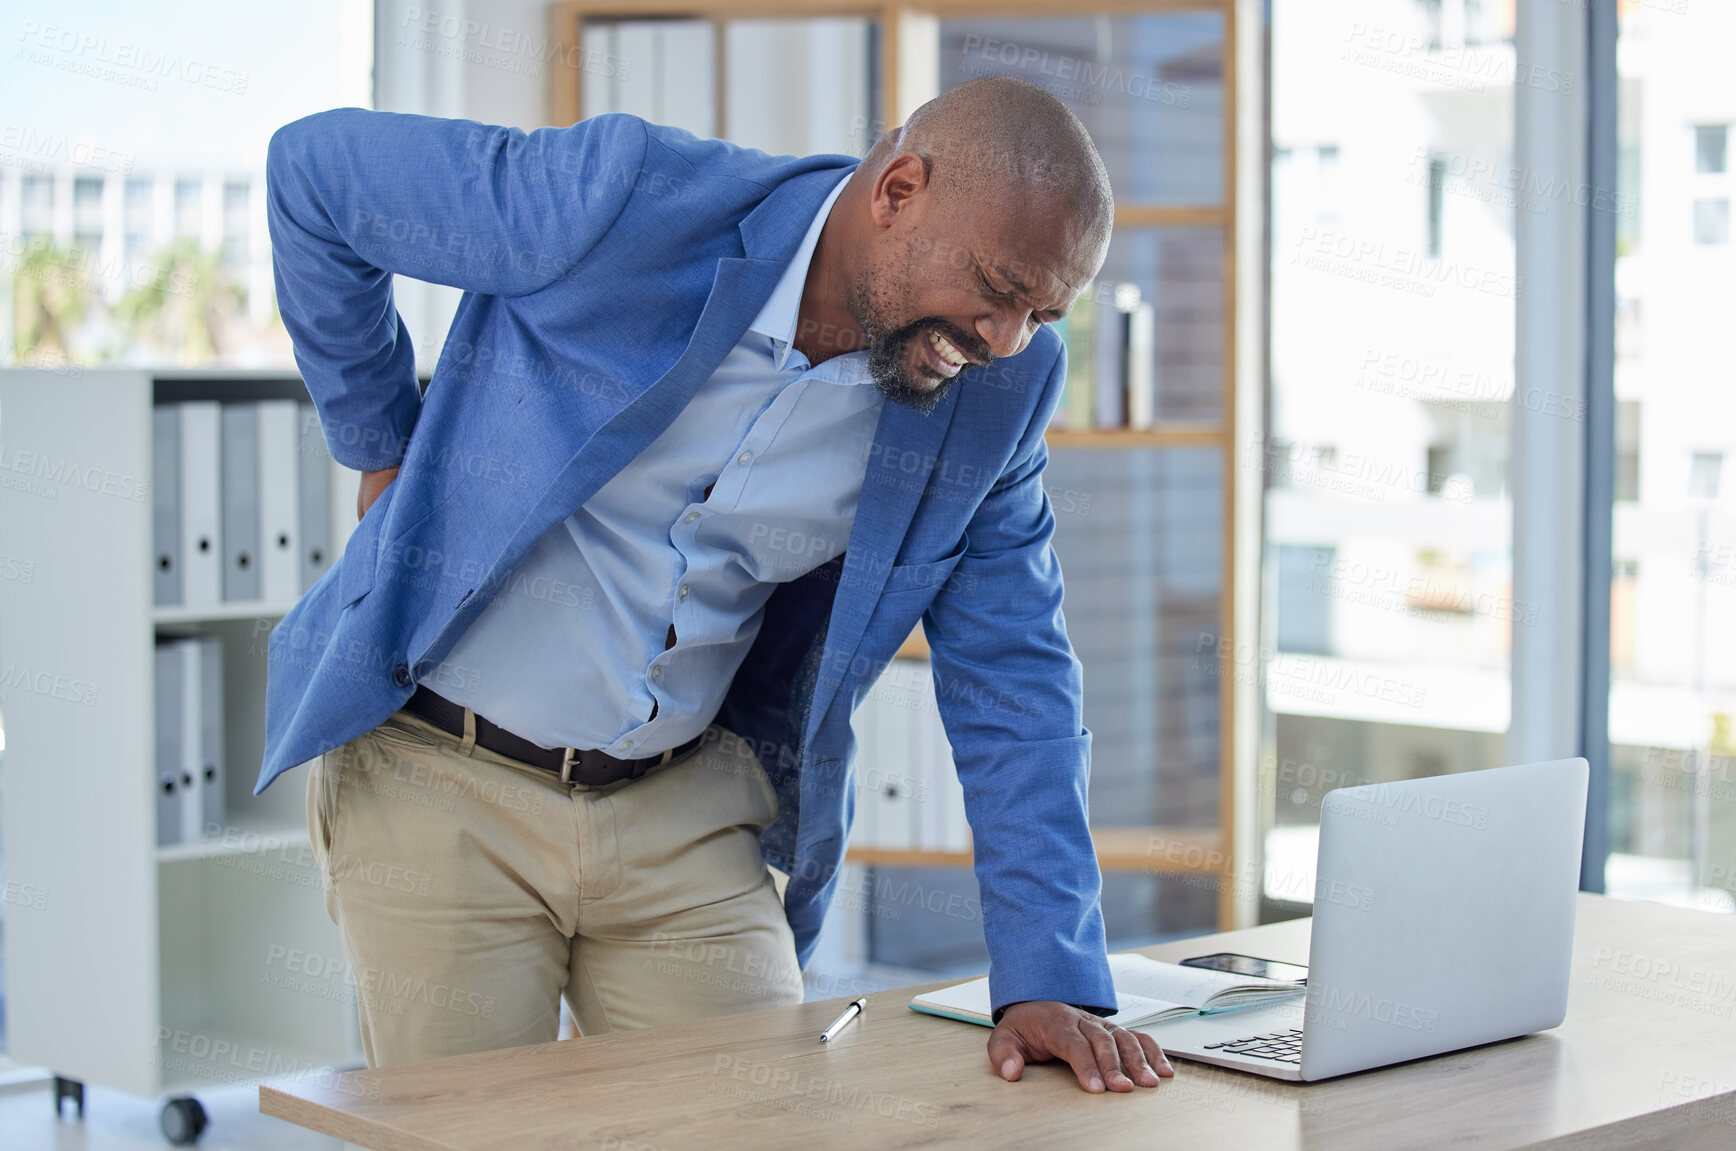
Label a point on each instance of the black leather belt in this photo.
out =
(588, 766)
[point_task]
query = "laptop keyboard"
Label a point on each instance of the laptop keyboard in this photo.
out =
(1282, 1046)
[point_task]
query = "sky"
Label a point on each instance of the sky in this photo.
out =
(177, 83)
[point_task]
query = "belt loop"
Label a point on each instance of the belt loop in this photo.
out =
(468, 744)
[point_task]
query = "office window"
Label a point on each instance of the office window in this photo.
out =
(1704, 472)
(189, 207)
(138, 212)
(1712, 221)
(1456, 24)
(136, 205)
(1437, 192)
(1304, 615)
(1326, 187)
(1624, 579)
(87, 214)
(237, 224)
(1305, 189)
(1408, 378)
(86, 204)
(1627, 185)
(1433, 20)
(36, 205)
(1627, 450)
(1710, 144)
(1440, 458)
(1672, 693)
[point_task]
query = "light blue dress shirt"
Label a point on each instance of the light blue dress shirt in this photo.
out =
(571, 653)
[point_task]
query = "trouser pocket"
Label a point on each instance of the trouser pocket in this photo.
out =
(323, 777)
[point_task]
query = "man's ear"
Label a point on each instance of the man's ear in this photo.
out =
(902, 182)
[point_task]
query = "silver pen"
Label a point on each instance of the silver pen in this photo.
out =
(850, 1012)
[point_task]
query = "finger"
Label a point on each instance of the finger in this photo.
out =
(1108, 1058)
(1070, 1044)
(1006, 1055)
(1133, 1059)
(1154, 1055)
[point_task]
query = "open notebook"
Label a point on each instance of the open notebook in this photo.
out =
(1146, 991)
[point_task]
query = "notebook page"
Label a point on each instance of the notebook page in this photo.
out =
(1193, 986)
(971, 1000)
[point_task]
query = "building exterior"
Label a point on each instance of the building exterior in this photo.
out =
(1390, 614)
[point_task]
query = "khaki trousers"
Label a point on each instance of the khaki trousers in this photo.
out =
(473, 892)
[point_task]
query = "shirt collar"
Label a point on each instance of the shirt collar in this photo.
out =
(777, 320)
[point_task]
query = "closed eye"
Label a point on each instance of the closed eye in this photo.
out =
(990, 290)
(1009, 294)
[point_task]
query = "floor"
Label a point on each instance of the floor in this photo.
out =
(116, 1122)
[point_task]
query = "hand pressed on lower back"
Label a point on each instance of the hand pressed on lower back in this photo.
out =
(372, 484)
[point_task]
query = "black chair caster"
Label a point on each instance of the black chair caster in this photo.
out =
(183, 1120)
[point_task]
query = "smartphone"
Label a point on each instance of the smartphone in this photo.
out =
(1248, 965)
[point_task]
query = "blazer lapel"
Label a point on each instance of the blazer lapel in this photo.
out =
(890, 495)
(770, 235)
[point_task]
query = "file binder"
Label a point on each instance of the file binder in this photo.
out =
(315, 499)
(240, 496)
(191, 775)
(1109, 409)
(279, 510)
(165, 505)
(1142, 367)
(889, 784)
(201, 513)
(1082, 358)
(189, 769)
(205, 657)
(166, 771)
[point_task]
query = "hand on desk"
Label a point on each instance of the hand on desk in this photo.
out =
(1099, 1053)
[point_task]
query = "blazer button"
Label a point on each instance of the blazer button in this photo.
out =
(401, 675)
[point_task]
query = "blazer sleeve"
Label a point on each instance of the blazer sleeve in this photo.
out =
(353, 197)
(1011, 699)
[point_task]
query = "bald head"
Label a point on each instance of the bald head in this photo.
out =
(958, 237)
(1000, 140)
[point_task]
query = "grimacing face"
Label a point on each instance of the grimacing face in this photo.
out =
(949, 285)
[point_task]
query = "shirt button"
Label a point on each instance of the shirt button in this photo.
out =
(744, 457)
(691, 516)
(682, 591)
(656, 673)
(401, 675)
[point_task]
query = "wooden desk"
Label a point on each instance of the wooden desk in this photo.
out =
(1647, 1058)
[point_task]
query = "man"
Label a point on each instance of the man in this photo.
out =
(710, 433)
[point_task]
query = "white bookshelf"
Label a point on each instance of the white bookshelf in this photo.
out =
(169, 613)
(152, 970)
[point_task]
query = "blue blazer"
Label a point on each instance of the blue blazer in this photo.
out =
(607, 269)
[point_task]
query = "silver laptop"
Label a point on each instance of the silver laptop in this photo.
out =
(1443, 918)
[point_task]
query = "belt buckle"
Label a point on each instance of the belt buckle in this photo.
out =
(636, 767)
